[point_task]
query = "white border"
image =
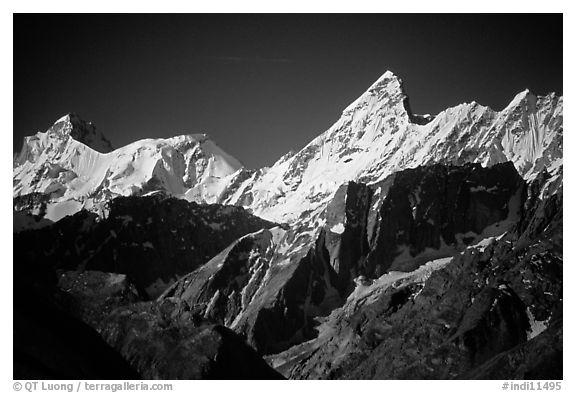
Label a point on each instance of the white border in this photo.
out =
(147, 6)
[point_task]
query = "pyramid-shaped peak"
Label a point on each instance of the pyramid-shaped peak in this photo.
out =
(388, 91)
(69, 122)
(388, 80)
(85, 132)
(388, 75)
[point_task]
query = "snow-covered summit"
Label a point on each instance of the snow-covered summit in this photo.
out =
(69, 126)
(74, 175)
(388, 90)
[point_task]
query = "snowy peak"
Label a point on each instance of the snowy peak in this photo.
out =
(525, 100)
(389, 82)
(378, 135)
(73, 167)
(375, 136)
(529, 133)
(386, 93)
(69, 129)
(82, 131)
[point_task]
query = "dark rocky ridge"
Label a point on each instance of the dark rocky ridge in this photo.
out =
(49, 342)
(93, 295)
(53, 340)
(153, 240)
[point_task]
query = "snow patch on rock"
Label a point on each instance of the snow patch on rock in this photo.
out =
(338, 228)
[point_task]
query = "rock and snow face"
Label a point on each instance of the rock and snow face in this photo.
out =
(489, 312)
(67, 127)
(69, 165)
(271, 285)
(377, 135)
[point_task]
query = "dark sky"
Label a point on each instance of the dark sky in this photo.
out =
(261, 85)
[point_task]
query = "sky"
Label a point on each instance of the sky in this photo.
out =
(264, 84)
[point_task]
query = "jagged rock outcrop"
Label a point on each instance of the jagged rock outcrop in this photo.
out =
(153, 240)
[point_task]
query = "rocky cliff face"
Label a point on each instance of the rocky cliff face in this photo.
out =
(433, 211)
(393, 245)
(492, 311)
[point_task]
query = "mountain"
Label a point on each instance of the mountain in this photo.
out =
(69, 171)
(393, 245)
(376, 135)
